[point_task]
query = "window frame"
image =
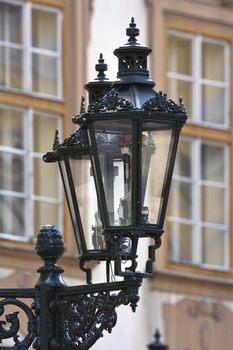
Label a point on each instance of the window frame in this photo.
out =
(196, 222)
(20, 99)
(208, 132)
(75, 15)
(28, 49)
(196, 78)
(29, 155)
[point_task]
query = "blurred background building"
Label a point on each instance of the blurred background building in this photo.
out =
(48, 51)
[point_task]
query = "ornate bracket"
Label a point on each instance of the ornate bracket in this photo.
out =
(61, 317)
(85, 312)
(11, 330)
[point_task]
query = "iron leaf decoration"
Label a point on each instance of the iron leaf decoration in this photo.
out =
(83, 318)
(10, 327)
(111, 102)
(77, 138)
(160, 103)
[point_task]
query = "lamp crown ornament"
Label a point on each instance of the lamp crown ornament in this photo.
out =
(132, 32)
(101, 84)
(101, 67)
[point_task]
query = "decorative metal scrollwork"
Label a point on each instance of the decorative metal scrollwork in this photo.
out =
(77, 138)
(160, 103)
(111, 102)
(10, 328)
(84, 316)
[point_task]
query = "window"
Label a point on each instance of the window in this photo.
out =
(29, 195)
(198, 222)
(30, 48)
(31, 75)
(199, 70)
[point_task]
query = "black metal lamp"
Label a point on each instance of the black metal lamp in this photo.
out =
(116, 170)
(124, 151)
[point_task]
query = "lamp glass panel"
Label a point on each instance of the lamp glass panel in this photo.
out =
(71, 200)
(82, 201)
(87, 202)
(114, 145)
(157, 142)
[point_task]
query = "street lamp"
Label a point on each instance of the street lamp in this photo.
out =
(126, 145)
(116, 170)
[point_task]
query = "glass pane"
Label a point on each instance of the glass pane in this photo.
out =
(157, 140)
(183, 166)
(181, 199)
(44, 29)
(44, 74)
(44, 214)
(11, 67)
(43, 132)
(213, 104)
(87, 202)
(213, 247)
(45, 178)
(12, 215)
(213, 61)
(180, 55)
(213, 204)
(114, 142)
(11, 127)
(16, 68)
(72, 203)
(12, 172)
(179, 88)
(212, 162)
(180, 242)
(11, 23)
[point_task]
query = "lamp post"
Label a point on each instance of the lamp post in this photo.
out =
(123, 153)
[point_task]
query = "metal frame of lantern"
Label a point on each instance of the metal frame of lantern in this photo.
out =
(63, 317)
(156, 110)
(130, 99)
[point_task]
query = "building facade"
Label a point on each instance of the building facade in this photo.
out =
(48, 50)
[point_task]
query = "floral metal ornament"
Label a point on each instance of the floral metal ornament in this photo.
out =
(111, 102)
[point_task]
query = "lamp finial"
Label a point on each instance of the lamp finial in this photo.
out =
(101, 67)
(132, 32)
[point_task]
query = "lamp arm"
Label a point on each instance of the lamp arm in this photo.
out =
(83, 313)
